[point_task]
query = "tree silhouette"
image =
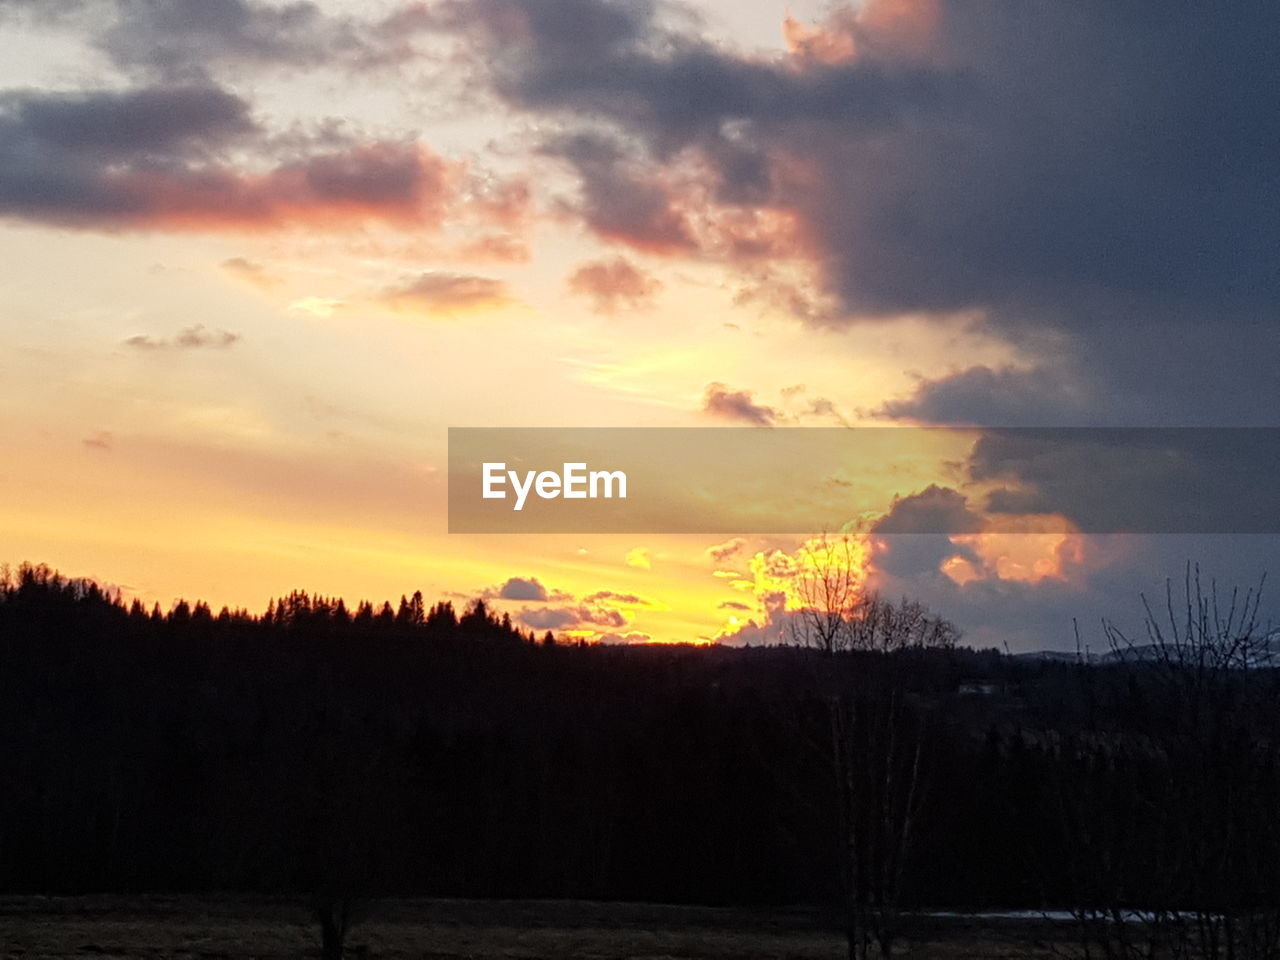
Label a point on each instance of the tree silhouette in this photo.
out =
(878, 738)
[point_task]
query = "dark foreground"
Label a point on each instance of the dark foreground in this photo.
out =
(231, 928)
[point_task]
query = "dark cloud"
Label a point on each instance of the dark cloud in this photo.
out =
(639, 65)
(596, 610)
(153, 158)
(154, 121)
(548, 618)
(1174, 480)
(1001, 397)
(613, 284)
(181, 37)
(194, 39)
(448, 292)
(622, 199)
(581, 617)
(519, 588)
(734, 605)
(189, 338)
(914, 537)
(934, 509)
(1105, 172)
(736, 405)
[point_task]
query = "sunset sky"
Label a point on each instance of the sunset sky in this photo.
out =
(257, 257)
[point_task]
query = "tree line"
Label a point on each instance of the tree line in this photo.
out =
(346, 754)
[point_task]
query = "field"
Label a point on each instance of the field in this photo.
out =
(232, 928)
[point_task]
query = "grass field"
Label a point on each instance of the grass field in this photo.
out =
(231, 928)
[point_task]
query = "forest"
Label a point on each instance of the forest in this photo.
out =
(871, 769)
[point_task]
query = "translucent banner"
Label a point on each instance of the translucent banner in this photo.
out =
(890, 479)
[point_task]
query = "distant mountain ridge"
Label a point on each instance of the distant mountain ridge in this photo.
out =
(1262, 652)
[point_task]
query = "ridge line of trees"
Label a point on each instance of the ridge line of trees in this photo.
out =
(32, 588)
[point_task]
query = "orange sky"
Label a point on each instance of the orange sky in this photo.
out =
(279, 259)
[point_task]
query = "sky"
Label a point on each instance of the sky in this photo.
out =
(257, 257)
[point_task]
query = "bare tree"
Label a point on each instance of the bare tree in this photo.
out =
(878, 734)
(1177, 827)
(828, 583)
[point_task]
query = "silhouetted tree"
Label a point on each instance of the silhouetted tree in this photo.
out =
(877, 747)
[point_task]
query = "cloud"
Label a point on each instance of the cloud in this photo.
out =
(623, 599)
(1003, 397)
(527, 589)
(185, 39)
(623, 200)
(448, 293)
(773, 628)
(102, 440)
(733, 605)
(316, 306)
(518, 588)
(255, 273)
(595, 612)
(722, 551)
(934, 509)
(154, 158)
(825, 408)
(614, 284)
(631, 636)
(736, 405)
(933, 152)
(45, 12)
(150, 121)
(1066, 169)
(581, 617)
(1041, 614)
(639, 557)
(189, 338)
(815, 308)
(1166, 480)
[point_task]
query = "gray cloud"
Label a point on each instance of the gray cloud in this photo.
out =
(1118, 569)
(622, 198)
(563, 618)
(154, 157)
(1197, 480)
(197, 337)
(736, 405)
(150, 121)
(1108, 174)
(1002, 397)
(934, 509)
(519, 588)
(631, 636)
(193, 39)
(916, 533)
